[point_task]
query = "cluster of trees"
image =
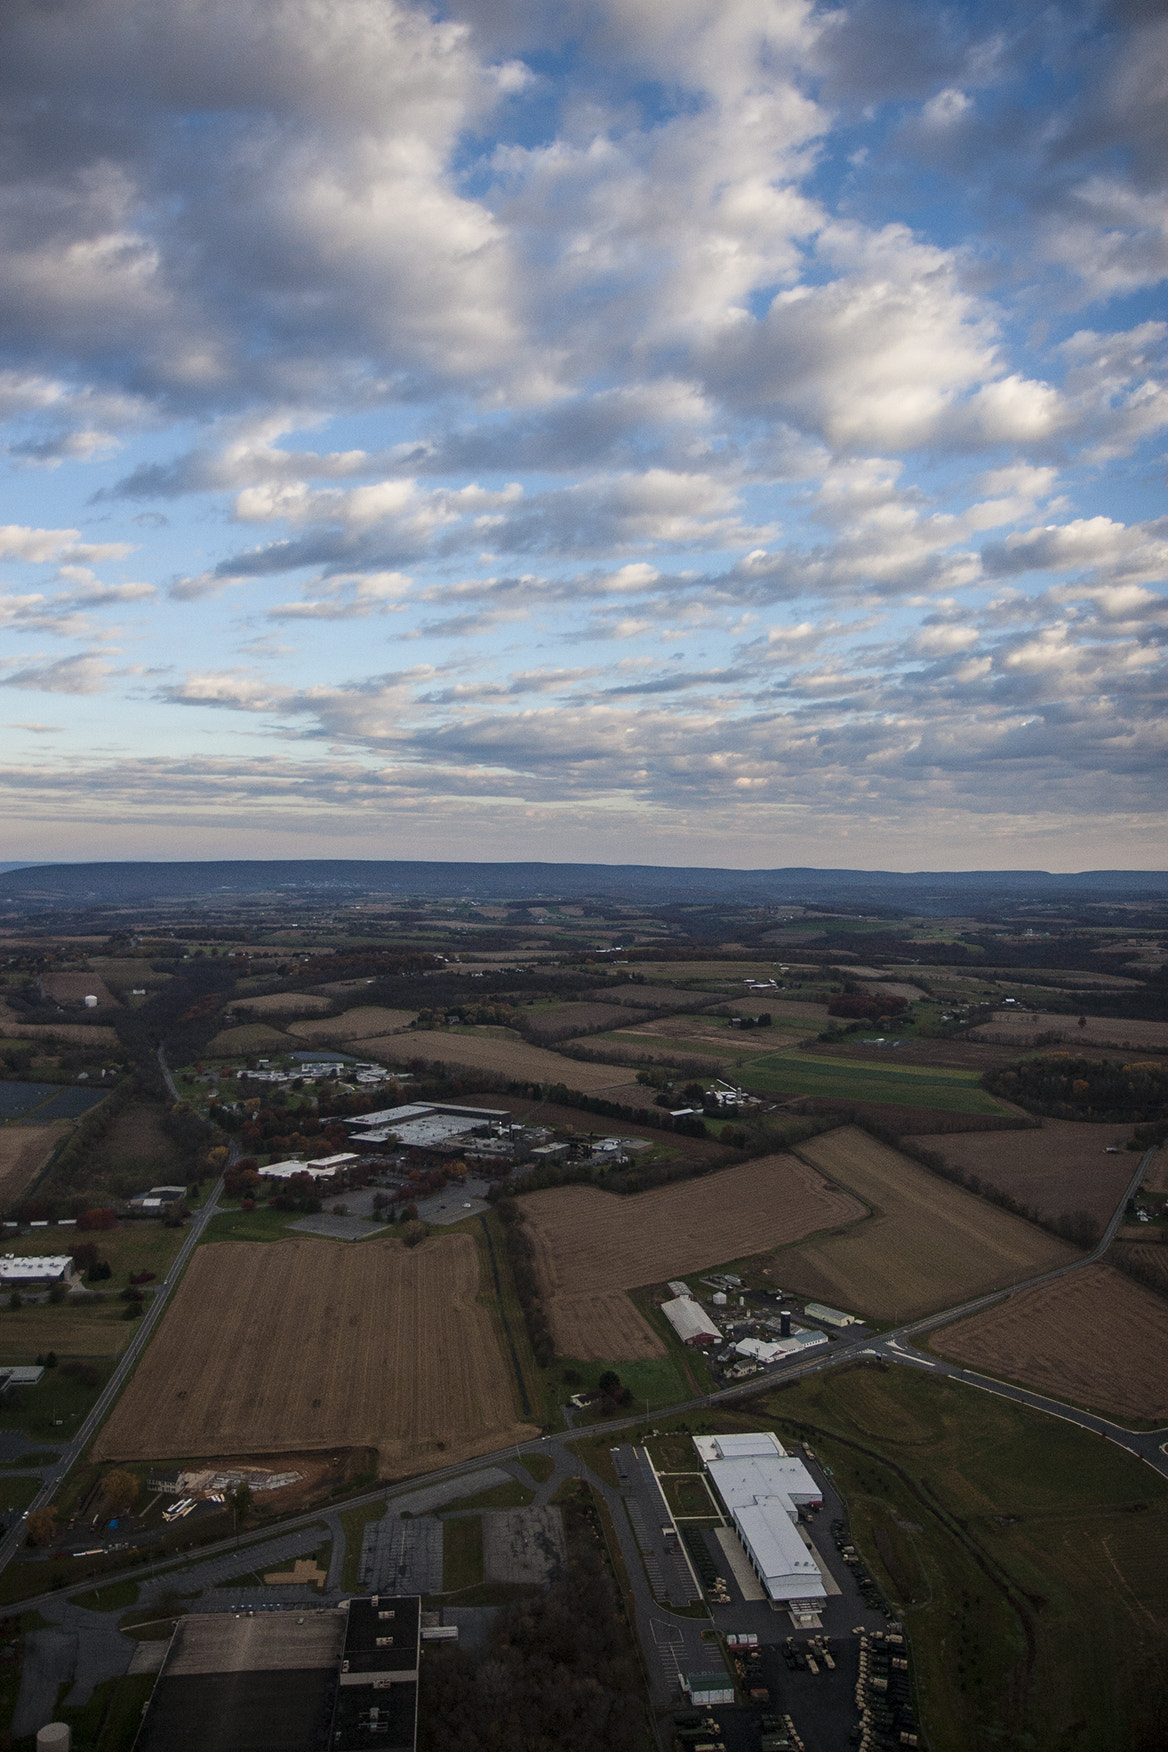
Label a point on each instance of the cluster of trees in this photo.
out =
(476, 1015)
(521, 1255)
(559, 1674)
(866, 1005)
(1062, 1086)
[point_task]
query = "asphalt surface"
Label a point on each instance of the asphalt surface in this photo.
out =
(655, 1628)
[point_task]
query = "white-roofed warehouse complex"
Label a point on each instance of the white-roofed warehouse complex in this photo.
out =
(763, 1488)
(690, 1321)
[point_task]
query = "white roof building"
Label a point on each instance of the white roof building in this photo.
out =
(35, 1269)
(289, 1170)
(831, 1316)
(689, 1320)
(764, 1487)
(772, 1350)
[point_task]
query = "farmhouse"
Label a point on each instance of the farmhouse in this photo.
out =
(763, 1488)
(690, 1321)
(36, 1271)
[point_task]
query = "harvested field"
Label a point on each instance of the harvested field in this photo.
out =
(930, 1244)
(283, 1004)
(24, 1150)
(14, 1027)
(591, 1246)
(1093, 1337)
(639, 997)
(249, 1037)
(1156, 1179)
(560, 1020)
(727, 972)
(506, 1054)
(1009, 1028)
(72, 1330)
(1148, 1260)
(72, 988)
(355, 1024)
(306, 1344)
(1062, 1168)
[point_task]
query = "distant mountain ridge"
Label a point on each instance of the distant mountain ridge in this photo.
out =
(78, 884)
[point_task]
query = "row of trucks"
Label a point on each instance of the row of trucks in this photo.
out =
(695, 1732)
(884, 1694)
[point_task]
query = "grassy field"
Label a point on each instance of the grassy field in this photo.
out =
(56, 1406)
(247, 1038)
(143, 1246)
(843, 1079)
(1026, 1556)
(93, 1329)
(258, 1225)
(354, 1523)
(512, 1495)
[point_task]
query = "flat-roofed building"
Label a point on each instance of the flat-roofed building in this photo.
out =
(763, 1488)
(36, 1271)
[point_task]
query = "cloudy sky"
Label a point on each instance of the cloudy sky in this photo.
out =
(675, 431)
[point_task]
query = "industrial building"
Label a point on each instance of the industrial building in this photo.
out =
(764, 1488)
(157, 1202)
(436, 1127)
(334, 1680)
(36, 1271)
(324, 1168)
(690, 1321)
(772, 1350)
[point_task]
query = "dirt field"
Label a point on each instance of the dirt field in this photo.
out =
(283, 1004)
(311, 1344)
(13, 1027)
(507, 1054)
(1156, 1179)
(24, 1150)
(929, 1244)
(591, 1246)
(1094, 1338)
(1021, 1029)
(354, 1024)
(560, 1020)
(1149, 1257)
(639, 997)
(248, 1037)
(71, 988)
(1063, 1167)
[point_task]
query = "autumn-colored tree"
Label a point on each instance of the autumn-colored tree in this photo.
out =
(42, 1526)
(120, 1490)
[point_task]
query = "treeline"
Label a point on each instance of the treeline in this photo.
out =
(1081, 1228)
(559, 1673)
(1061, 1086)
(521, 1258)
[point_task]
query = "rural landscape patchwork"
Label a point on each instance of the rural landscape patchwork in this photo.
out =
(733, 1320)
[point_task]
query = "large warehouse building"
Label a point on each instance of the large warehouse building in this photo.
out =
(763, 1488)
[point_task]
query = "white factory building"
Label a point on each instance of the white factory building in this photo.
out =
(763, 1488)
(690, 1321)
(323, 1168)
(425, 1125)
(767, 1350)
(36, 1271)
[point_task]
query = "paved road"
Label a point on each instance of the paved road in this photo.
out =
(896, 1346)
(152, 1313)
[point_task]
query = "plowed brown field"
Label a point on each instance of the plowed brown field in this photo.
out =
(1062, 1168)
(24, 1150)
(1021, 1030)
(310, 1344)
(592, 1246)
(502, 1052)
(354, 1024)
(929, 1245)
(1093, 1338)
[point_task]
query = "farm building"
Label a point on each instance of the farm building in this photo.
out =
(36, 1271)
(771, 1350)
(763, 1488)
(157, 1201)
(829, 1316)
(690, 1321)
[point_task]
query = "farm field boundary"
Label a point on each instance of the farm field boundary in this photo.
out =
(1092, 1338)
(847, 1079)
(307, 1345)
(591, 1247)
(929, 1245)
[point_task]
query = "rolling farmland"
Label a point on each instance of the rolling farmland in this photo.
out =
(24, 1150)
(848, 1079)
(1061, 1168)
(1094, 1338)
(505, 1053)
(355, 1024)
(591, 1246)
(302, 1345)
(929, 1243)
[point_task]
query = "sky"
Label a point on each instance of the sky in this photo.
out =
(723, 432)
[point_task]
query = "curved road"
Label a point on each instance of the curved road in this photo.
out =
(1148, 1446)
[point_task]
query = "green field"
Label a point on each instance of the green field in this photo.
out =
(462, 1554)
(146, 1245)
(1026, 1557)
(74, 1329)
(852, 1080)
